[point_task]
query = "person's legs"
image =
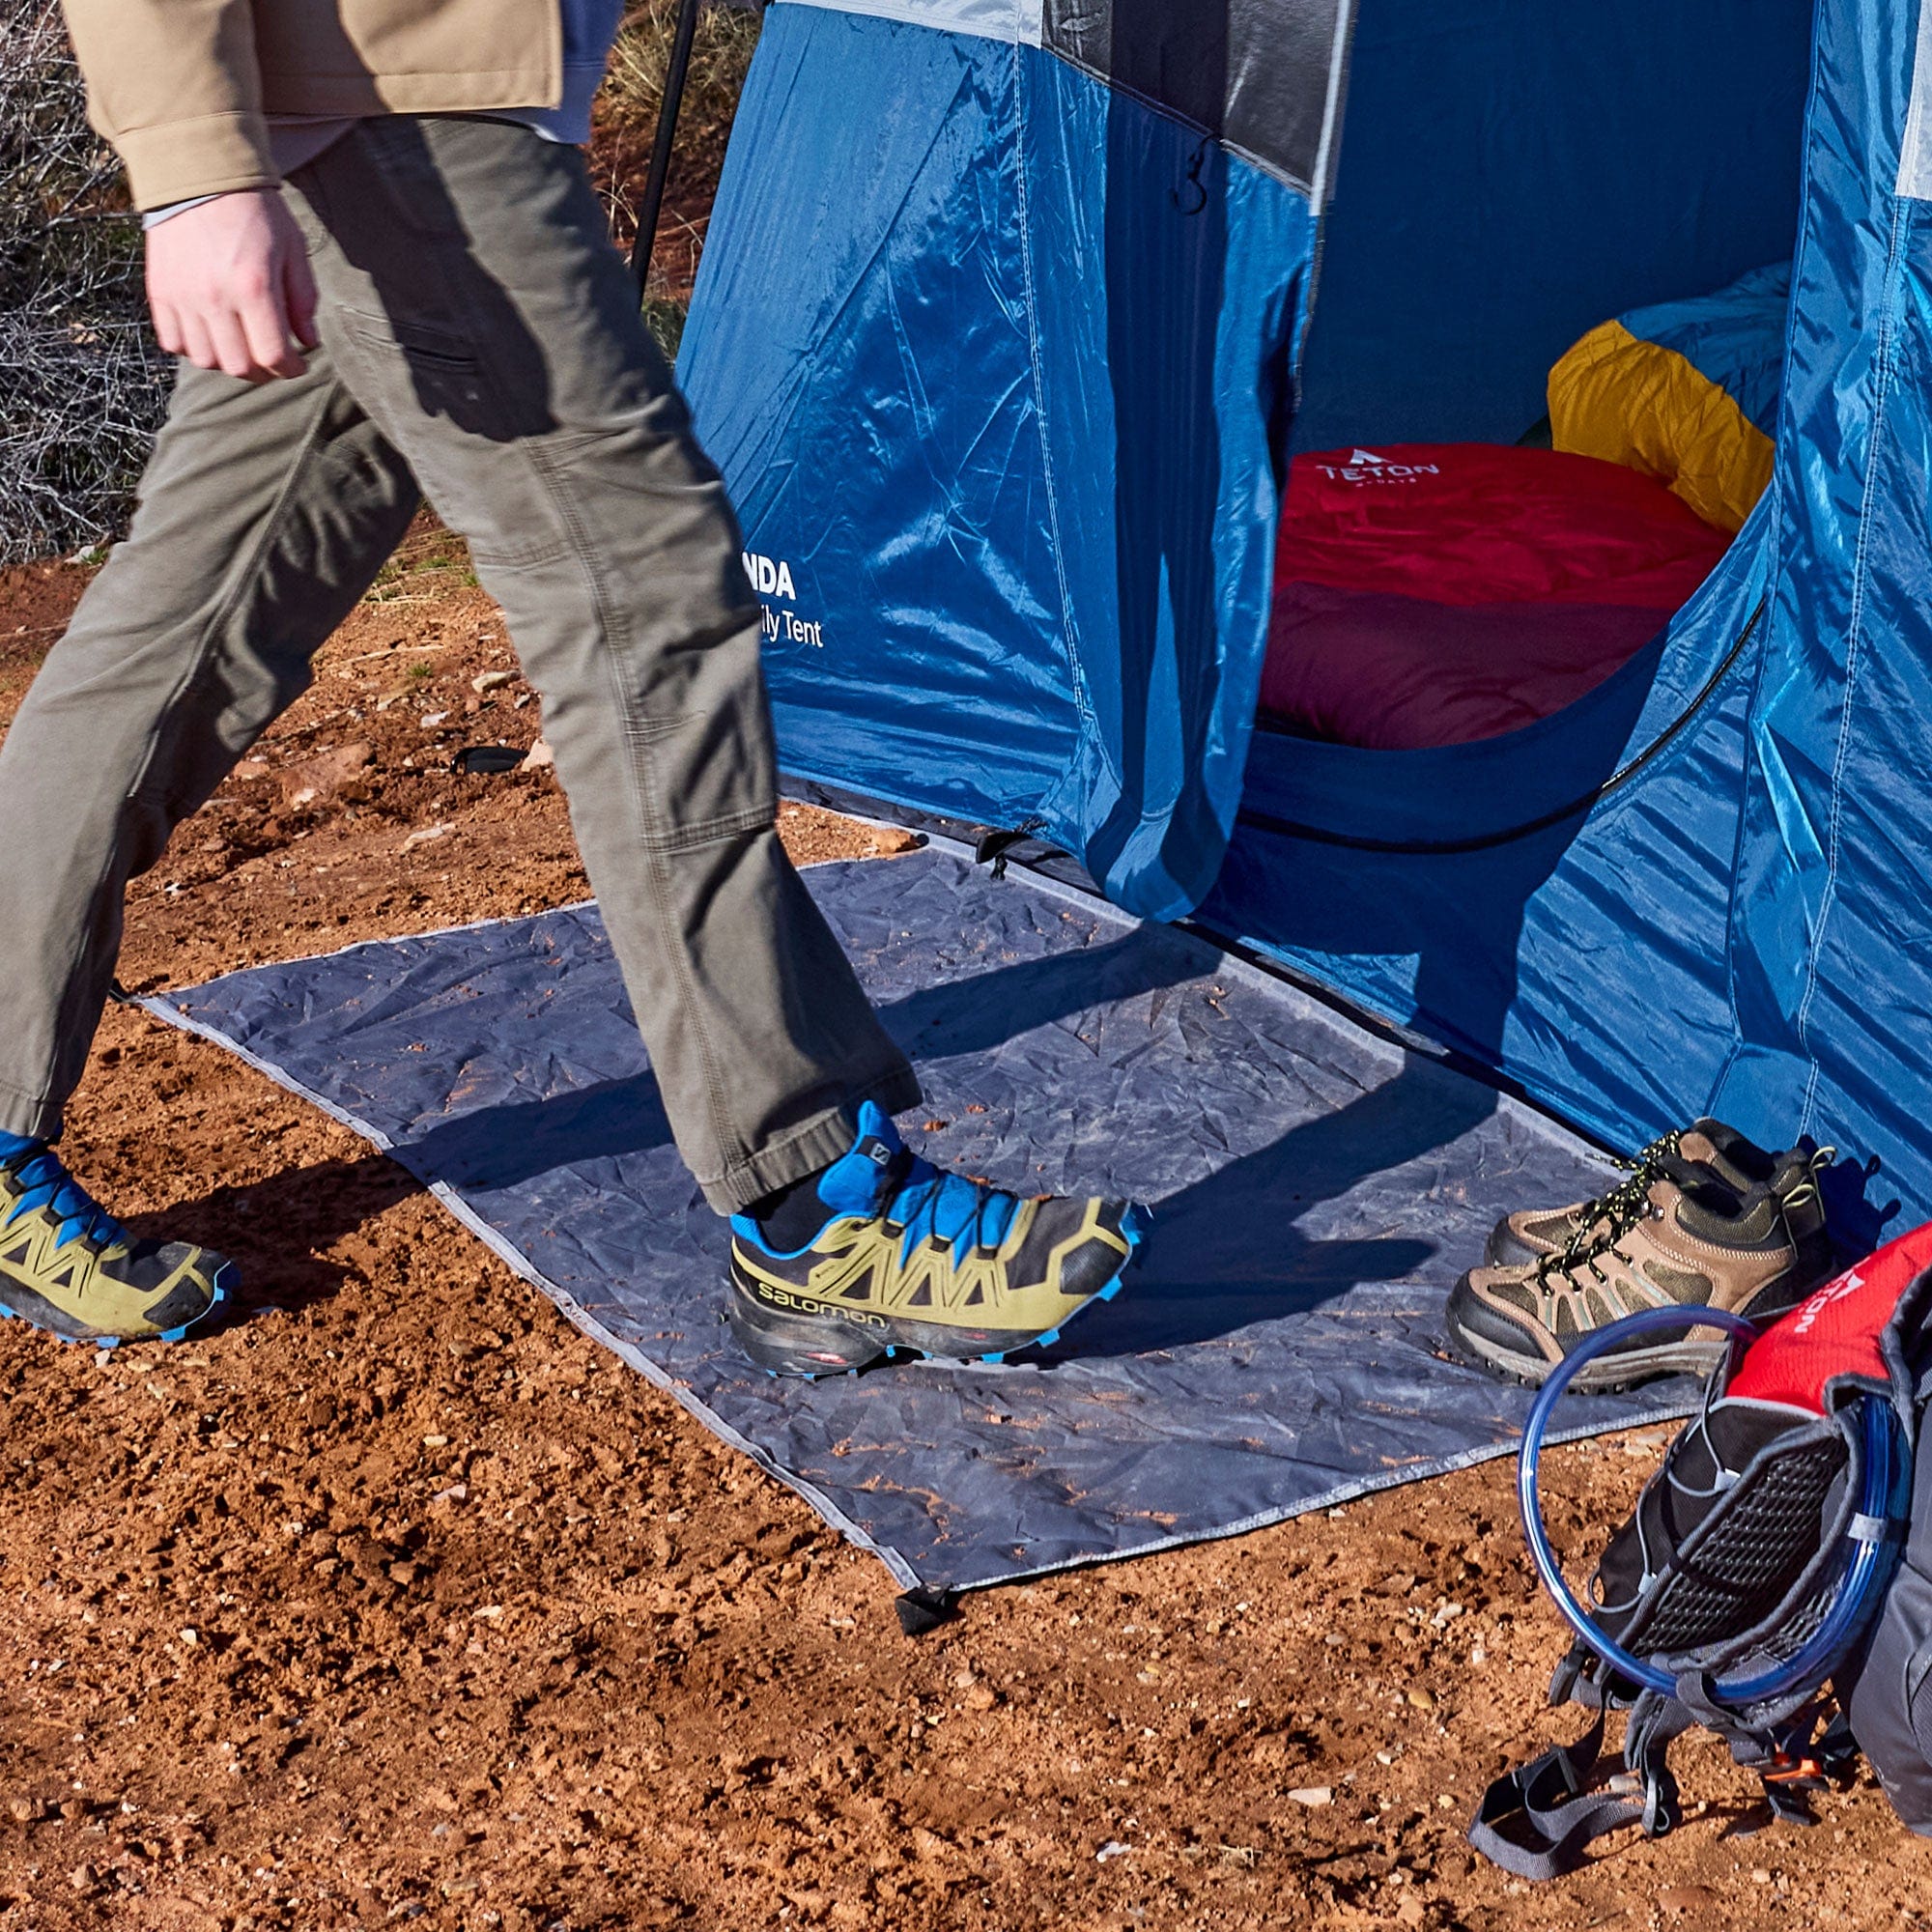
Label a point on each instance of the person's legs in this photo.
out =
(473, 302)
(475, 307)
(264, 514)
(481, 334)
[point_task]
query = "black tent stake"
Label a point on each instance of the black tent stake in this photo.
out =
(654, 184)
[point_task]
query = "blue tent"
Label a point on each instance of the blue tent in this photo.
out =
(1008, 320)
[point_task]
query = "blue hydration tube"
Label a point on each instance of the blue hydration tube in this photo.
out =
(1873, 1541)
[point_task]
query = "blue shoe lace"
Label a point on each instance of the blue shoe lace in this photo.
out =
(45, 1183)
(965, 1213)
(880, 1178)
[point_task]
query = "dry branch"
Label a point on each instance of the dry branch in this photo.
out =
(82, 384)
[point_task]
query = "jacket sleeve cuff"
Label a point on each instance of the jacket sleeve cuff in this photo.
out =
(186, 161)
(154, 217)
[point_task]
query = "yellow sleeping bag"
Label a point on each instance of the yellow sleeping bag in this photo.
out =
(1686, 392)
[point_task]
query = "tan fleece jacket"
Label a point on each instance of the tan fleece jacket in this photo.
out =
(182, 88)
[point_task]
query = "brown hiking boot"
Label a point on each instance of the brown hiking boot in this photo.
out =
(1688, 1240)
(1741, 1164)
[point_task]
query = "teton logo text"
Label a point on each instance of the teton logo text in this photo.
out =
(1364, 466)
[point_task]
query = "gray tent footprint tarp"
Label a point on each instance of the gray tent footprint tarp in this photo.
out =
(1315, 1191)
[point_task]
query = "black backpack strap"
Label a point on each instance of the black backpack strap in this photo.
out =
(1836, 1749)
(1799, 1762)
(1539, 1820)
(1787, 1755)
(1655, 1723)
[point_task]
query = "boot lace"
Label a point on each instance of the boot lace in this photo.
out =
(927, 1203)
(1612, 1216)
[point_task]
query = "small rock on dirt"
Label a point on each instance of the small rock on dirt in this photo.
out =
(488, 681)
(326, 775)
(539, 758)
(1313, 1795)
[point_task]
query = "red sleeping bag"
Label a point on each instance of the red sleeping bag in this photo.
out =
(1432, 593)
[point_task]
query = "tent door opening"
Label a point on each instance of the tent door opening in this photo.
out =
(1573, 220)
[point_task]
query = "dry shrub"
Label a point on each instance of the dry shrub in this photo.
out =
(82, 384)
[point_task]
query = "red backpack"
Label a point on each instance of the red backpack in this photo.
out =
(1774, 1584)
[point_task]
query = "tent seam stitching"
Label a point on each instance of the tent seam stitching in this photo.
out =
(1787, 437)
(1773, 578)
(1885, 372)
(1069, 638)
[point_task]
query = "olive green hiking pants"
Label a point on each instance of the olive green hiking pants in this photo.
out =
(482, 347)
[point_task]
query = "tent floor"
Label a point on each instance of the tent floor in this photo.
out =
(1316, 1189)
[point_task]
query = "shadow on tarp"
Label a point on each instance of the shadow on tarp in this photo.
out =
(1317, 1190)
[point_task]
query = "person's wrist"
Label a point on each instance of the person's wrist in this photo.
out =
(154, 217)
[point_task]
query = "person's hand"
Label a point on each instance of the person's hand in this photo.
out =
(230, 287)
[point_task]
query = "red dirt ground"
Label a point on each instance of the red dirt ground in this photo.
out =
(398, 1601)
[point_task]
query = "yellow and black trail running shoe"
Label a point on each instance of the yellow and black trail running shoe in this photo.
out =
(904, 1258)
(67, 1265)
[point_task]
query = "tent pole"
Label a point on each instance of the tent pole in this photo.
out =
(654, 184)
